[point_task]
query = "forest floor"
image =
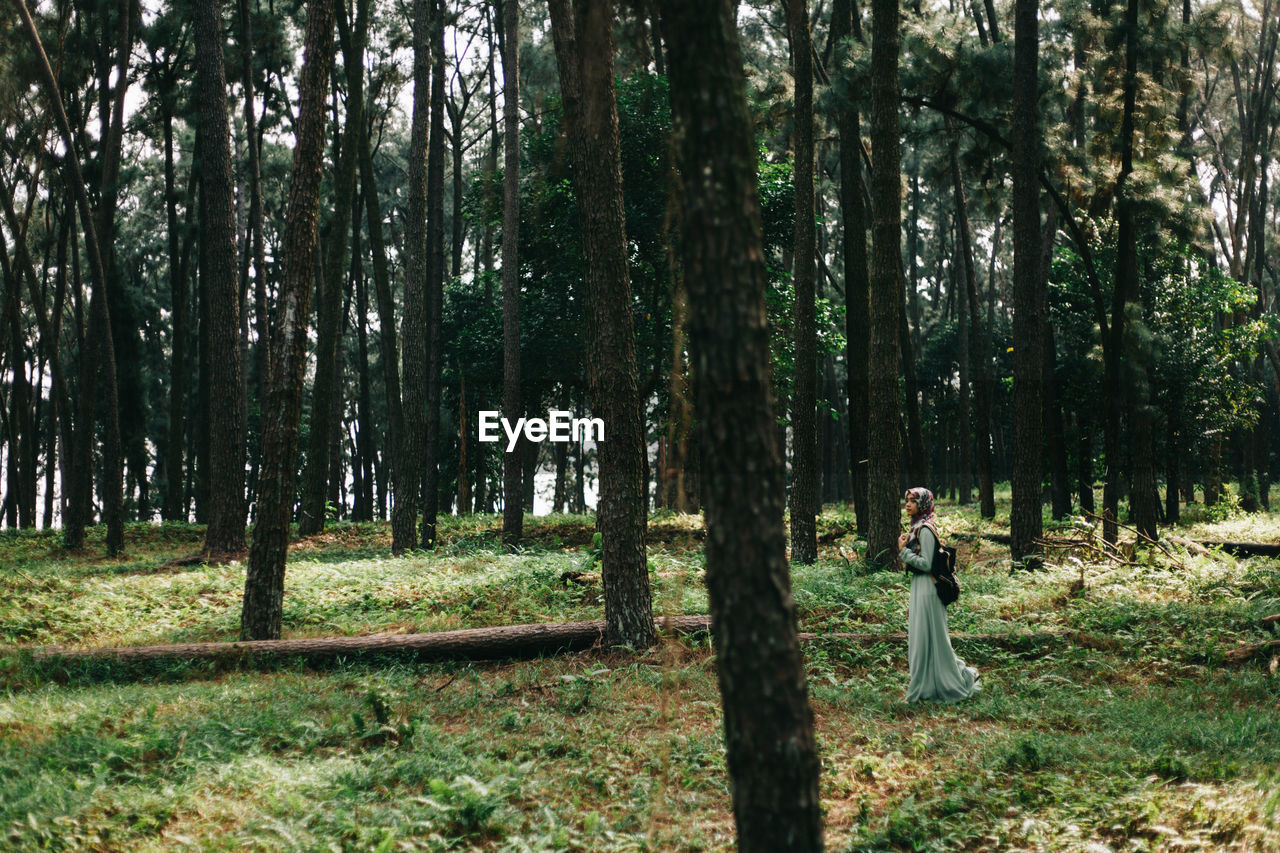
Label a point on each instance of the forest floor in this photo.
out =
(1156, 743)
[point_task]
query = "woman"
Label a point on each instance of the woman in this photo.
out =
(936, 672)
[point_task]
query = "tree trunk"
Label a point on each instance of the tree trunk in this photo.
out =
(315, 483)
(884, 492)
(435, 279)
(261, 615)
(1028, 297)
(49, 330)
(404, 486)
(174, 508)
(1172, 505)
(256, 238)
(1054, 431)
(464, 449)
(964, 474)
(509, 36)
(917, 467)
(1084, 462)
(977, 341)
(771, 755)
(584, 56)
(219, 280)
(844, 22)
(1142, 490)
(103, 355)
(804, 464)
(364, 412)
(413, 331)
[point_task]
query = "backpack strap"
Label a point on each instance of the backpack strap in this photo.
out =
(932, 529)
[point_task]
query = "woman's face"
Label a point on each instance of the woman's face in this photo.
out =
(912, 508)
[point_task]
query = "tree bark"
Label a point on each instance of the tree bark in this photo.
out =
(584, 56)
(404, 486)
(261, 615)
(220, 281)
(976, 340)
(413, 331)
(884, 488)
(804, 464)
(844, 22)
(1055, 432)
(315, 482)
(771, 755)
(365, 441)
(512, 404)
(435, 279)
(917, 464)
(1028, 297)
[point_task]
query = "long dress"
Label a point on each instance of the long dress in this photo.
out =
(936, 672)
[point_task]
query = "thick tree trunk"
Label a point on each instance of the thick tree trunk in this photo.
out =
(315, 483)
(1028, 297)
(771, 755)
(884, 490)
(413, 331)
(844, 22)
(509, 33)
(219, 280)
(804, 467)
(584, 55)
(1142, 490)
(261, 615)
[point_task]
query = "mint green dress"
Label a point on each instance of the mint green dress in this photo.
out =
(936, 672)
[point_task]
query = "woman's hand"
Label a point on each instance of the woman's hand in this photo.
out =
(902, 541)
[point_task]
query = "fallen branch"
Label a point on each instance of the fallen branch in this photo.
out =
(1271, 623)
(1244, 653)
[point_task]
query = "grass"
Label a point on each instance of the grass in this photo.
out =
(1151, 743)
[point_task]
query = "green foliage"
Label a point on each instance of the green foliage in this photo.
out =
(576, 752)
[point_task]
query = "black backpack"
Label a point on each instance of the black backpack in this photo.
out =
(944, 574)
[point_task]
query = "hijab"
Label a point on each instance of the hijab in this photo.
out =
(925, 516)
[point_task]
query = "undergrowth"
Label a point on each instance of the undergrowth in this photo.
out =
(1109, 720)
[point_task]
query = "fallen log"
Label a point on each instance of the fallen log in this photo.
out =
(1271, 623)
(469, 644)
(1245, 549)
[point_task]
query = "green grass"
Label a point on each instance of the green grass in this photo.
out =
(1150, 742)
